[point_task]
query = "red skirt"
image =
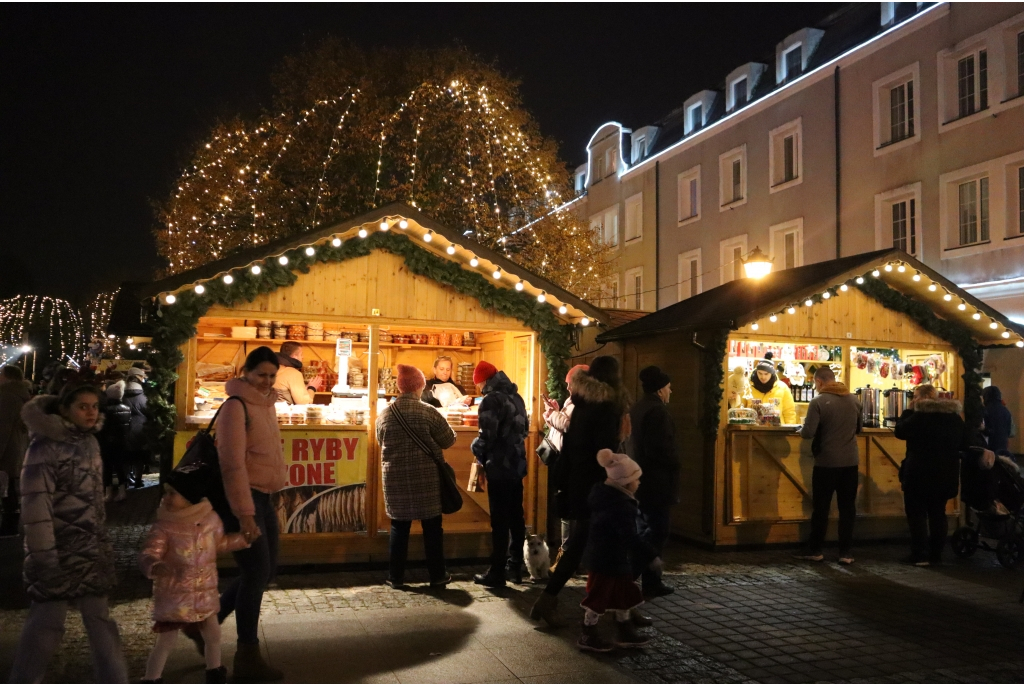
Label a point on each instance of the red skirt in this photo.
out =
(170, 626)
(611, 593)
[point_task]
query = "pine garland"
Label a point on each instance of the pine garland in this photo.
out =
(956, 334)
(713, 378)
(175, 324)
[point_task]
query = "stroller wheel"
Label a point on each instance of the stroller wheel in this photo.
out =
(1010, 551)
(964, 542)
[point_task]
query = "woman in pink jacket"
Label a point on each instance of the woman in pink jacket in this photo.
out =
(252, 464)
(180, 555)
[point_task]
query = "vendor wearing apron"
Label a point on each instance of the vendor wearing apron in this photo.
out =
(441, 390)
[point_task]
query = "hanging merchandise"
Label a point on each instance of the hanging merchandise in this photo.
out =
(883, 370)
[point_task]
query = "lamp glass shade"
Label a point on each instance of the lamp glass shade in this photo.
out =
(757, 265)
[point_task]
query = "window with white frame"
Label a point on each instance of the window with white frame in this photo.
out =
(731, 253)
(785, 155)
(635, 288)
(597, 168)
(979, 206)
(739, 92)
(639, 148)
(787, 244)
(973, 215)
(688, 282)
(695, 116)
(792, 61)
(635, 217)
(972, 83)
(688, 192)
(581, 181)
(898, 219)
(732, 177)
(605, 227)
(610, 292)
(982, 74)
(897, 109)
(611, 161)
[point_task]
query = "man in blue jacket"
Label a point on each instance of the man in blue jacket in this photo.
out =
(501, 448)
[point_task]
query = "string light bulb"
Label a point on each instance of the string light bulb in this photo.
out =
(773, 318)
(428, 237)
(933, 287)
(962, 306)
(542, 298)
(403, 224)
(563, 309)
(808, 302)
(860, 280)
(474, 262)
(170, 299)
(947, 297)
(917, 276)
(228, 279)
(791, 310)
(976, 316)
(384, 225)
(844, 287)
(310, 251)
(450, 249)
(282, 260)
(519, 286)
(1020, 343)
(336, 242)
(200, 289)
(363, 233)
(256, 269)
(754, 326)
(825, 295)
(901, 268)
(1006, 334)
(585, 321)
(876, 273)
(993, 325)
(888, 267)
(497, 274)
(129, 340)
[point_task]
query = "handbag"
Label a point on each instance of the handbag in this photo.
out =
(547, 452)
(451, 497)
(201, 465)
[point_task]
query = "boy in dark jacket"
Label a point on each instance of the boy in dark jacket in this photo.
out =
(615, 550)
(653, 446)
(500, 448)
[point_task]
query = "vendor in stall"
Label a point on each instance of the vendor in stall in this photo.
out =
(441, 390)
(766, 386)
(291, 386)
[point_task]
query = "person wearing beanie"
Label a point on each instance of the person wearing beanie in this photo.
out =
(653, 445)
(766, 386)
(500, 447)
(557, 419)
(180, 556)
(137, 456)
(113, 439)
(441, 390)
(412, 482)
(615, 549)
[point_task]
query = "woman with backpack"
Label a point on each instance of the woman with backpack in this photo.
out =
(252, 465)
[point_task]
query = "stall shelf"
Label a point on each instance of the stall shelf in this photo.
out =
(401, 281)
(751, 484)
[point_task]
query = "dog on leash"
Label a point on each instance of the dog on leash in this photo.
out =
(537, 557)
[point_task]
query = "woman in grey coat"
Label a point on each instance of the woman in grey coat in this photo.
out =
(412, 485)
(69, 558)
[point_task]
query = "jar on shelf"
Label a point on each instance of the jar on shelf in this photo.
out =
(456, 340)
(297, 331)
(444, 339)
(433, 339)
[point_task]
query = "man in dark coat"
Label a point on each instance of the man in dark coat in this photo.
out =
(653, 447)
(113, 439)
(14, 393)
(501, 448)
(998, 422)
(930, 473)
(135, 398)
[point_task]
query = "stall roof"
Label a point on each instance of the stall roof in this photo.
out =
(742, 301)
(419, 225)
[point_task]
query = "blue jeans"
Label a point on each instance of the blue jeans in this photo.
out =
(256, 566)
(433, 548)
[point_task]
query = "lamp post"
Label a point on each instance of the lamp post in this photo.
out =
(757, 264)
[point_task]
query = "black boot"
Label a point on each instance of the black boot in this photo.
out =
(491, 579)
(514, 571)
(217, 675)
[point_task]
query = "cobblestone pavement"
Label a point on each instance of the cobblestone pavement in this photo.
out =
(735, 617)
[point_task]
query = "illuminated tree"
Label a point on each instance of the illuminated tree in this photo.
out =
(438, 130)
(53, 327)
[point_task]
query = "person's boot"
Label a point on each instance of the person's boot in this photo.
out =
(638, 618)
(626, 635)
(108, 493)
(217, 675)
(251, 668)
(492, 579)
(545, 609)
(192, 632)
(514, 571)
(590, 640)
(122, 494)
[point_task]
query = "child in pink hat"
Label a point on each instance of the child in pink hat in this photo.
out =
(615, 551)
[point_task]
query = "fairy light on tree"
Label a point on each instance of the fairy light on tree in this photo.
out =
(438, 130)
(45, 323)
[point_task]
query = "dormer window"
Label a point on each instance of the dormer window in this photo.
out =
(696, 117)
(698, 109)
(793, 63)
(739, 92)
(581, 179)
(641, 141)
(894, 12)
(793, 55)
(740, 85)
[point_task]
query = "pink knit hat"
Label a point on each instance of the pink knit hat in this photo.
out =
(573, 370)
(410, 379)
(620, 468)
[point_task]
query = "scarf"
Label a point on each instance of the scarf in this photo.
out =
(762, 387)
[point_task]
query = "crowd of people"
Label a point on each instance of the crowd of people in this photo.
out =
(615, 472)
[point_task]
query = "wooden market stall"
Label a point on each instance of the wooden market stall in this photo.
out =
(883, 321)
(386, 288)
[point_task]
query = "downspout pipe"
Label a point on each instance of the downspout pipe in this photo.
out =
(657, 235)
(839, 187)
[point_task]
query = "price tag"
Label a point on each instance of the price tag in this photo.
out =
(343, 348)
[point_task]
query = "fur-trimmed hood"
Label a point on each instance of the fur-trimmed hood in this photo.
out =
(42, 416)
(938, 406)
(592, 390)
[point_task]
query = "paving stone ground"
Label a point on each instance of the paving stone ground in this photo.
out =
(735, 617)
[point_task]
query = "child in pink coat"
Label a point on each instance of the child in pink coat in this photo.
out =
(180, 555)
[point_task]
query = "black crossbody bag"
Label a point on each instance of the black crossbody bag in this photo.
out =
(451, 497)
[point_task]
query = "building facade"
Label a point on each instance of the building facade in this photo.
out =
(887, 124)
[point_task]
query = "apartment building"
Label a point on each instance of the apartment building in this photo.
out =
(886, 124)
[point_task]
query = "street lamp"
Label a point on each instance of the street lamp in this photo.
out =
(757, 264)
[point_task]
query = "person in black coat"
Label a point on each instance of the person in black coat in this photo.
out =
(501, 448)
(653, 447)
(135, 398)
(600, 420)
(997, 420)
(930, 473)
(113, 439)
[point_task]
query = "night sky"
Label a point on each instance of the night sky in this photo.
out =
(100, 105)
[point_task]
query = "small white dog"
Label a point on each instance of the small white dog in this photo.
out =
(538, 560)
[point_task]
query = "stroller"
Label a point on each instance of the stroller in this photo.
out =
(1002, 533)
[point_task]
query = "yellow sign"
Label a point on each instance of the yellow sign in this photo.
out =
(322, 458)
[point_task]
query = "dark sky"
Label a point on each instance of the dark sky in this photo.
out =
(99, 105)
